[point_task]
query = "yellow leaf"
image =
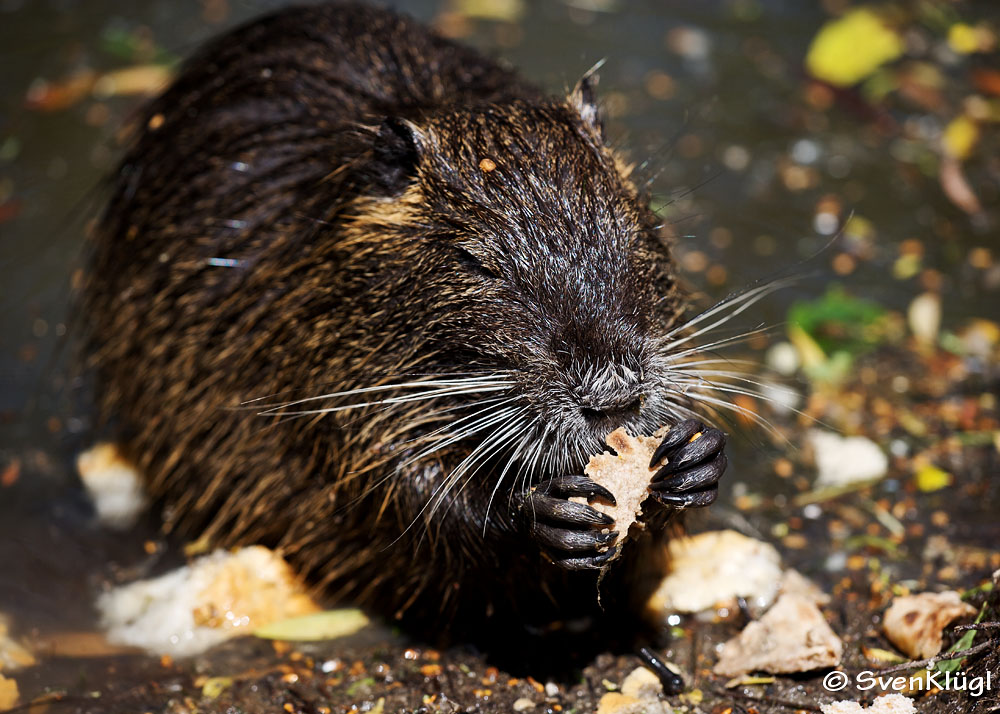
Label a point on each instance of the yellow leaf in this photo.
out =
(215, 686)
(326, 625)
(960, 137)
(876, 654)
(748, 680)
(810, 353)
(963, 38)
(848, 49)
(931, 478)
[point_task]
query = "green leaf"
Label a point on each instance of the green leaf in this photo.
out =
(964, 643)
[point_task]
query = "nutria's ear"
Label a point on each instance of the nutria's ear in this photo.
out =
(584, 100)
(395, 155)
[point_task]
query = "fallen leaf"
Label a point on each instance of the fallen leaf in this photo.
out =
(215, 686)
(46, 96)
(8, 693)
(10, 474)
(9, 209)
(960, 137)
(931, 478)
(881, 656)
(327, 625)
(852, 47)
(956, 187)
(986, 80)
(141, 79)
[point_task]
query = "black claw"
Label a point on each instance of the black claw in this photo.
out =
(572, 541)
(708, 444)
(679, 434)
(695, 478)
(595, 562)
(691, 499)
(562, 511)
(573, 485)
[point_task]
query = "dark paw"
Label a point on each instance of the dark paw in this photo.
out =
(572, 535)
(690, 478)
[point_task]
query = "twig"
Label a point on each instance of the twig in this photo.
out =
(765, 700)
(939, 658)
(977, 626)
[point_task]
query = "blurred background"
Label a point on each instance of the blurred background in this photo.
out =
(854, 146)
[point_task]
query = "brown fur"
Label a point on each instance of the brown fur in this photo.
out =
(335, 152)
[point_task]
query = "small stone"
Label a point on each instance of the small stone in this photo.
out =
(523, 704)
(551, 689)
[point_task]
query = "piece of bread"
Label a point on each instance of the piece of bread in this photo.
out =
(627, 475)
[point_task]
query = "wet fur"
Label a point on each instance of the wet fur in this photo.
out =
(334, 152)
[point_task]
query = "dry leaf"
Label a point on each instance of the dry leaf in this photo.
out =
(327, 625)
(850, 48)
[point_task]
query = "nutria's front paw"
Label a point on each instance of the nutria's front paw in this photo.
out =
(691, 475)
(572, 535)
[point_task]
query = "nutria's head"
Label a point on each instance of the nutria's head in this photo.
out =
(521, 253)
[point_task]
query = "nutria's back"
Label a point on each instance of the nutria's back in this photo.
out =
(440, 286)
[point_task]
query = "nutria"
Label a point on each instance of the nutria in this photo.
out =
(366, 296)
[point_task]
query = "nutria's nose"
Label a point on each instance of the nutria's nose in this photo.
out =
(612, 411)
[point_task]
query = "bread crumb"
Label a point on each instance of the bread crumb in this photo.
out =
(915, 623)
(714, 568)
(792, 636)
(886, 704)
(642, 684)
(218, 596)
(113, 484)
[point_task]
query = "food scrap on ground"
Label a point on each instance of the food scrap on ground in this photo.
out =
(713, 569)
(218, 596)
(916, 623)
(114, 485)
(640, 694)
(842, 461)
(886, 704)
(792, 636)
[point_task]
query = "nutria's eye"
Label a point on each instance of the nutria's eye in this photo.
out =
(474, 264)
